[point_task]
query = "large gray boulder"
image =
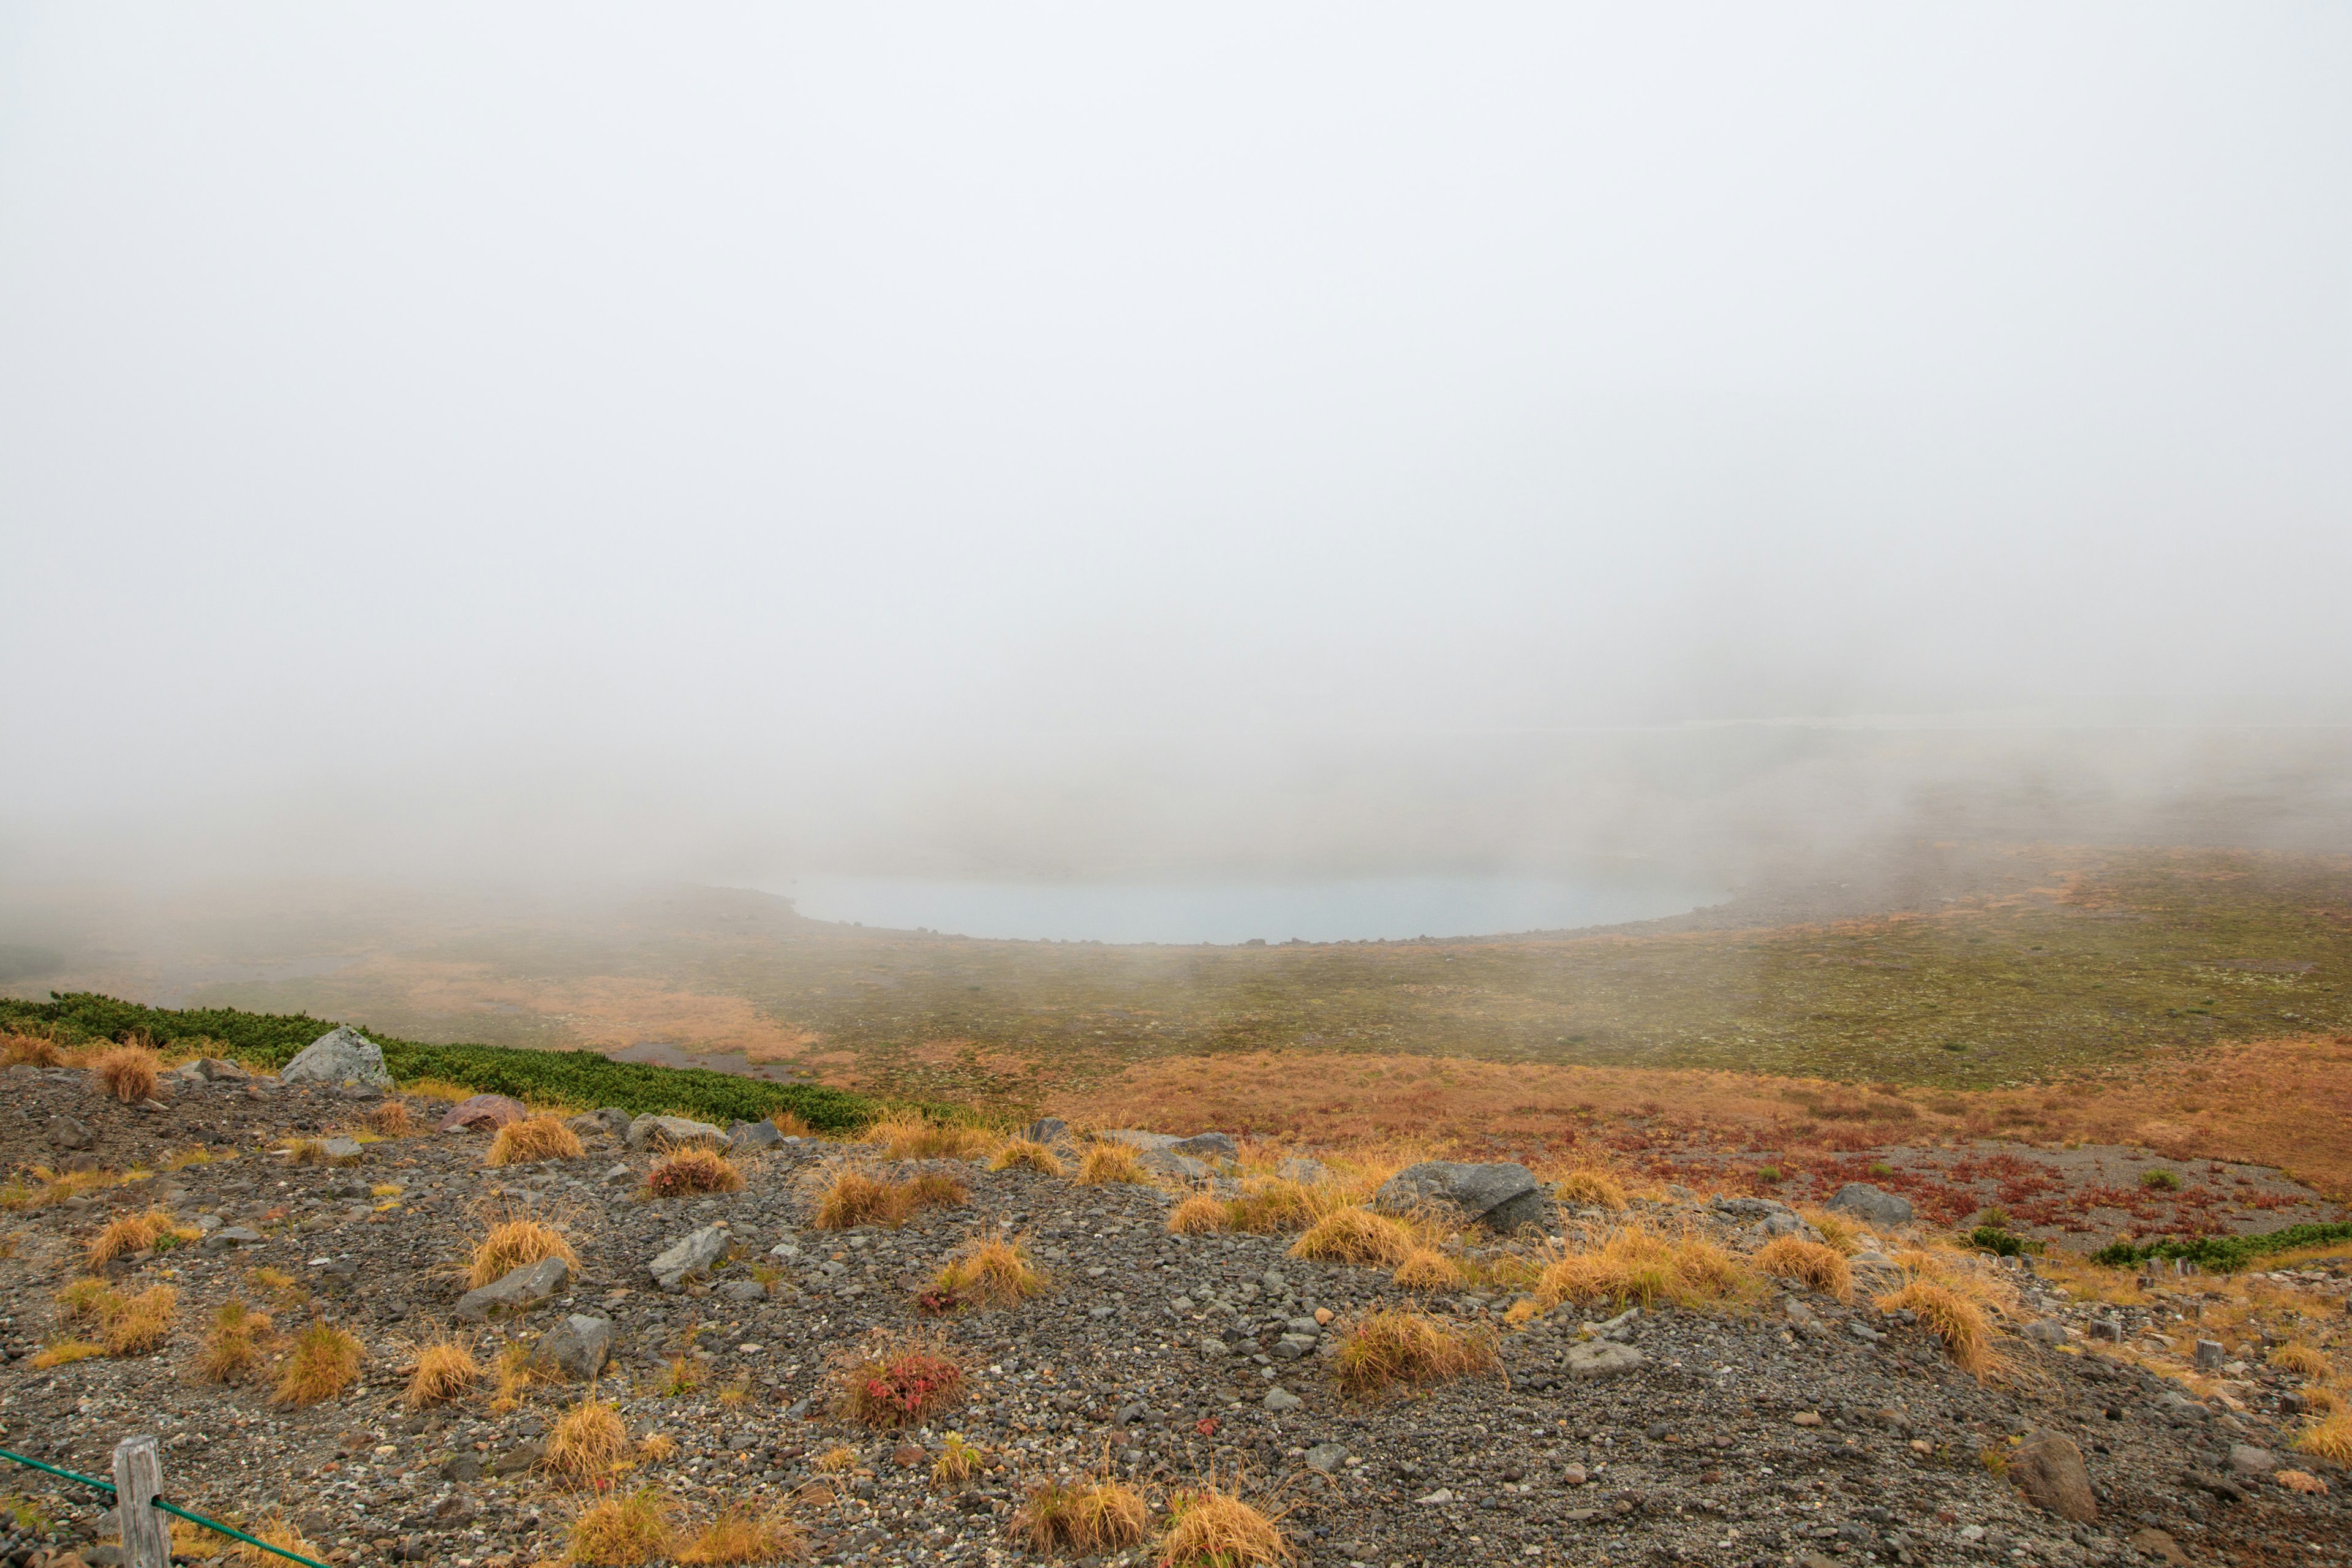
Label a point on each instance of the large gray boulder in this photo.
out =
(1214, 1146)
(516, 1291)
(672, 1133)
(745, 1137)
(482, 1113)
(1875, 1205)
(1596, 1359)
(342, 1054)
(2048, 1469)
(689, 1255)
(1503, 1196)
(1137, 1140)
(1047, 1130)
(576, 1348)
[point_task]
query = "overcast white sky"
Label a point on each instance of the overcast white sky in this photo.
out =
(420, 423)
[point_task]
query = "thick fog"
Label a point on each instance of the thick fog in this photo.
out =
(730, 441)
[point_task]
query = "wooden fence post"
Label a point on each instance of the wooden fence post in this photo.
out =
(138, 1476)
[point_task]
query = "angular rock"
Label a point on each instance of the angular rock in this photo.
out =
(746, 1136)
(689, 1255)
(343, 1150)
(221, 1240)
(1133, 1139)
(516, 1291)
(1503, 1195)
(2210, 1354)
(342, 1054)
(2048, 1469)
(1875, 1205)
(2158, 1544)
(1167, 1163)
(672, 1133)
(1280, 1399)
(212, 1069)
(1750, 1208)
(65, 1132)
(576, 1348)
(1047, 1130)
(1602, 1358)
(483, 1114)
(2045, 1332)
(1324, 1458)
(1208, 1146)
(2245, 1460)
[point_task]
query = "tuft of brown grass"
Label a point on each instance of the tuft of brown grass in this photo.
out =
(1819, 1264)
(855, 1197)
(445, 1369)
(391, 1120)
(2302, 1481)
(1198, 1215)
(2302, 1361)
(282, 1287)
(920, 1138)
(135, 1233)
(1023, 1154)
(279, 1532)
(691, 1171)
(586, 1442)
(1360, 1237)
(2329, 1437)
(932, 1190)
(899, 1382)
(128, 1072)
(512, 1243)
(1839, 1233)
(1107, 1163)
(837, 1460)
(1961, 1323)
(30, 1050)
(65, 1353)
(1426, 1268)
(986, 1272)
(306, 1152)
(531, 1140)
(1394, 1345)
(234, 1344)
(143, 1322)
(654, 1447)
(324, 1362)
(1591, 1187)
(959, 1461)
(1634, 1266)
(1081, 1518)
(790, 1124)
(86, 1301)
(622, 1531)
(1211, 1527)
(741, 1536)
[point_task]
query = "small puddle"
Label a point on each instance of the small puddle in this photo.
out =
(661, 1053)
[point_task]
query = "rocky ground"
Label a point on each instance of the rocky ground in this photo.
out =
(1801, 1428)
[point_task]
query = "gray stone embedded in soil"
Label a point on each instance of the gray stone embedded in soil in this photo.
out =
(342, 1149)
(746, 1136)
(221, 1240)
(1750, 1208)
(1875, 1205)
(689, 1255)
(212, 1069)
(65, 1132)
(672, 1131)
(1602, 1358)
(576, 1348)
(2045, 1332)
(516, 1291)
(2048, 1469)
(1279, 1399)
(1047, 1130)
(1325, 1457)
(1503, 1195)
(2247, 1460)
(1167, 1163)
(342, 1054)
(483, 1112)
(1135, 1139)
(1208, 1146)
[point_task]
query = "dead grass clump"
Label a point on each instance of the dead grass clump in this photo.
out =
(512, 1243)
(1592, 1187)
(531, 1140)
(391, 1120)
(1081, 1518)
(856, 1197)
(899, 1382)
(143, 1322)
(135, 1233)
(1358, 1237)
(985, 1273)
(622, 1531)
(324, 1362)
(1107, 1163)
(1820, 1266)
(959, 1461)
(1023, 1154)
(30, 1050)
(1394, 1345)
(933, 1191)
(128, 1073)
(278, 1533)
(692, 1171)
(2302, 1481)
(234, 1344)
(445, 1369)
(741, 1536)
(1426, 1268)
(1198, 1215)
(2329, 1437)
(65, 1353)
(790, 1124)
(1639, 1267)
(1268, 1206)
(1839, 1233)
(2302, 1361)
(86, 1301)
(587, 1441)
(1215, 1528)
(1951, 1316)
(920, 1138)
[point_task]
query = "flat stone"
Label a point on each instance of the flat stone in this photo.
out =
(1167, 1163)
(230, 1235)
(1502, 1195)
(689, 1254)
(1208, 1146)
(343, 1150)
(2245, 1460)
(1875, 1205)
(1602, 1358)
(1135, 1139)
(576, 1348)
(1749, 1208)
(1047, 1130)
(672, 1131)
(516, 1291)
(1280, 1399)
(65, 1132)
(1326, 1457)
(2045, 1332)
(461, 1468)
(2157, 1543)
(2048, 1469)
(747, 1136)
(342, 1054)
(482, 1112)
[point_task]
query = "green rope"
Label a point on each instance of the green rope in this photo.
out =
(107, 1487)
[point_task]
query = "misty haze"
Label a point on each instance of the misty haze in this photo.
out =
(1219, 785)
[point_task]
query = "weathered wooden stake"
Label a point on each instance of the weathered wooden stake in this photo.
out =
(138, 1476)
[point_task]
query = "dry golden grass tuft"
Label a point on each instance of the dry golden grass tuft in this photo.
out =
(86, 1302)
(920, 1138)
(65, 1353)
(277, 1531)
(1267, 1206)
(2302, 1481)
(986, 1273)
(30, 1050)
(1023, 1154)
(1819, 1264)
(282, 1287)
(837, 1460)
(1081, 1518)
(933, 1191)
(1591, 1187)
(1961, 1323)
(511, 1243)
(531, 1140)
(742, 1536)
(1838, 1232)
(1426, 1268)
(234, 1345)
(1107, 1163)
(1198, 1215)
(959, 1461)
(1394, 1345)
(622, 1531)
(1211, 1527)
(899, 1381)
(1359, 1237)
(1636, 1266)
(445, 1369)
(585, 1442)
(2302, 1361)
(143, 1322)
(655, 1447)
(391, 1120)
(128, 1072)
(324, 1360)
(852, 1196)
(135, 1233)
(2329, 1437)
(790, 1124)
(692, 1171)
